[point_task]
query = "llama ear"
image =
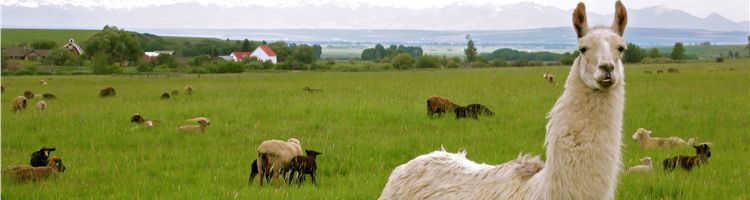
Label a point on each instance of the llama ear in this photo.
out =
(579, 20)
(621, 18)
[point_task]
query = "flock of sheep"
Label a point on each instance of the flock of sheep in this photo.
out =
(439, 105)
(643, 136)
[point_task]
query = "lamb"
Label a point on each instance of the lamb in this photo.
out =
(107, 92)
(19, 103)
(23, 173)
(647, 142)
(439, 105)
(164, 96)
(138, 119)
(254, 172)
(645, 166)
(303, 165)
(473, 111)
(28, 94)
(39, 158)
(550, 78)
(41, 106)
(274, 157)
(311, 90)
(189, 90)
(43, 82)
(702, 153)
(203, 123)
(583, 139)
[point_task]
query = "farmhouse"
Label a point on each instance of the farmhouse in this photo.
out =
(73, 47)
(152, 55)
(262, 53)
(23, 53)
(239, 55)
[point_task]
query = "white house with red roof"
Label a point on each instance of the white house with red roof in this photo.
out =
(239, 55)
(73, 47)
(264, 53)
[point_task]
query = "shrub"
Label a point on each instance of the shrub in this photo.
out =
(30, 66)
(719, 59)
(200, 60)
(402, 61)
(227, 67)
(499, 63)
(660, 60)
(63, 57)
(427, 62)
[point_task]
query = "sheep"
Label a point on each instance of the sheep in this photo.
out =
(645, 166)
(175, 93)
(439, 105)
(659, 71)
(138, 119)
(28, 94)
(311, 90)
(303, 165)
(702, 153)
(203, 123)
(164, 96)
(254, 172)
(19, 103)
(583, 139)
(644, 137)
(673, 70)
(189, 90)
(550, 78)
(23, 173)
(107, 92)
(648, 72)
(2, 88)
(39, 158)
(48, 96)
(41, 106)
(43, 82)
(274, 157)
(473, 111)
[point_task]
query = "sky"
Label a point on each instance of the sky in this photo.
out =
(736, 10)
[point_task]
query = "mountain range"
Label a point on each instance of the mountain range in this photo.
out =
(332, 16)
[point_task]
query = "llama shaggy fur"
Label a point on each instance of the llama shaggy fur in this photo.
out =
(41, 106)
(644, 137)
(202, 121)
(583, 139)
(23, 173)
(439, 105)
(19, 103)
(303, 165)
(274, 156)
(702, 153)
(39, 158)
(645, 166)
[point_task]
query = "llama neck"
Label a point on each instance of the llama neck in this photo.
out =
(584, 135)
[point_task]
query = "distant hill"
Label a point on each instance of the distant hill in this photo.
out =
(12, 37)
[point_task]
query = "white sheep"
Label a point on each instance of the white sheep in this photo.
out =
(203, 123)
(23, 173)
(645, 166)
(274, 157)
(43, 82)
(550, 78)
(644, 137)
(41, 106)
(583, 139)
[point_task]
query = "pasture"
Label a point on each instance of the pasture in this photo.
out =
(365, 124)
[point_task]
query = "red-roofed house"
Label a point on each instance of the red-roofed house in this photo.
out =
(239, 55)
(263, 53)
(73, 47)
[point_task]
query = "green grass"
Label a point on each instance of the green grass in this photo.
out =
(365, 124)
(11, 37)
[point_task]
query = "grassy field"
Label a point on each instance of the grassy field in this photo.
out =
(709, 52)
(11, 37)
(365, 124)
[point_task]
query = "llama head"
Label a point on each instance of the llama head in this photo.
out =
(702, 149)
(641, 133)
(600, 63)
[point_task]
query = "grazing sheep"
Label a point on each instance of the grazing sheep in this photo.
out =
(41, 106)
(583, 139)
(164, 96)
(107, 92)
(645, 166)
(2, 88)
(473, 111)
(644, 137)
(673, 70)
(659, 71)
(175, 93)
(303, 165)
(138, 119)
(49, 96)
(43, 82)
(439, 105)
(189, 90)
(550, 78)
(311, 90)
(39, 158)
(19, 103)
(648, 72)
(28, 94)
(23, 173)
(274, 157)
(702, 153)
(203, 123)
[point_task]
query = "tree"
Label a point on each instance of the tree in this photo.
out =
(369, 54)
(317, 51)
(748, 44)
(118, 45)
(470, 51)
(633, 54)
(282, 50)
(303, 53)
(63, 57)
(379, 51)
(654, 53)
(427, 62)
(43, 44)
(166, 59)
(678, 51)
(245, 45)
(402, 61)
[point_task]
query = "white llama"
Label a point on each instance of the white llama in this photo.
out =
(583, 139)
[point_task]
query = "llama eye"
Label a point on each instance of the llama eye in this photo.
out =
(583, 49)
(621, 49)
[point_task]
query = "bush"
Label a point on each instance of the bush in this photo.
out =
(427, 62)
(402, 61)
(145, 67)
(63, 57)
(200, 60)
(453, 64)
(267, 64)
(227, 67)
(719, 59)
(30, 66)
(499, 63)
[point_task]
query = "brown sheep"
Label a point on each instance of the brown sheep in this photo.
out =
(2, 88)
(28, 94)
(473, 111)
(274, 157)
(19, 103)
(439, 105)
(702, 153)
(311, 90)
(303, 165)
(107, 92)
(164, 96)
(49, 96)
(175, 93)
(189, 90)
(23, 173)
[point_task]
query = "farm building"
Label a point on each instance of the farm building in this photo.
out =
(263, 53)
(239, 55)
(73, 47)
(152, 55)
(22, 53)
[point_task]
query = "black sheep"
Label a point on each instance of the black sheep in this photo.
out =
(473, 111)
(39, 158)
(303, 165)
(688, 162)
(254, 172)
(165, 96)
